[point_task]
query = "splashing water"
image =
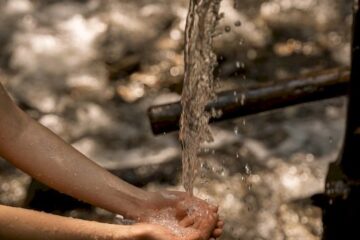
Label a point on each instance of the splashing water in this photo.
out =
(198, 89)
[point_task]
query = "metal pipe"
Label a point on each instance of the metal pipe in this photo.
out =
(350, 159)
(238, 103)
(341, 208)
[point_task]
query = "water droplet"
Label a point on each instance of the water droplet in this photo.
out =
(236, 5)
(247, 169)
(216, 34)
(216, 113)
(236, 130)
(243, 98)
(236, 97)
(237, 23)
(240, 64)
(227, 28)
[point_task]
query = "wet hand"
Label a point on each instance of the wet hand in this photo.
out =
(196, 213)
(159, 232)
(185, 211)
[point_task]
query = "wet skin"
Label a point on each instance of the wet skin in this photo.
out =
(23, 224)
(43, 155)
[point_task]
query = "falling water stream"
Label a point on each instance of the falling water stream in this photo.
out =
(198, 88)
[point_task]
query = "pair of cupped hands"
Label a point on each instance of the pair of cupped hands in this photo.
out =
(173, 215)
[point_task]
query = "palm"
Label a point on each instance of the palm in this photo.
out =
(179, 210)
(159, 232)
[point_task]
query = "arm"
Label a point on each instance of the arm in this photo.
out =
(22, 224)
(46, 157)
(40, 153)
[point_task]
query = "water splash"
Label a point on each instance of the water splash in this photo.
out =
(237, 23)
(198, 88)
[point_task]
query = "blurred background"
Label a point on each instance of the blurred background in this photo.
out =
(89, 69)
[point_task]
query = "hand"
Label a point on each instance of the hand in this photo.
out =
(181, 210)
(159, 232)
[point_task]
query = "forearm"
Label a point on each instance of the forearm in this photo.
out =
(40, 153)
(22, 224)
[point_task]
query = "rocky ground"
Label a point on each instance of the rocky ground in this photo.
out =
(89, 69)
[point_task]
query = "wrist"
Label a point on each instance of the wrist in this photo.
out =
(163, 199)
(137, 206)
(142, 231)
(119, 232)
(144, 206)
(156, 201)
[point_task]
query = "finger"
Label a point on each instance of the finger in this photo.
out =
(214, 208)
(202, 224)
(215, 218)
(181, 211)
(180, 214)
(197, 224)
(217, 232)
(196, 236)
(220, 224)
(187, 221)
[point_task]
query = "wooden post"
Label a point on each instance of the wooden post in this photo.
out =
(341, 208)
